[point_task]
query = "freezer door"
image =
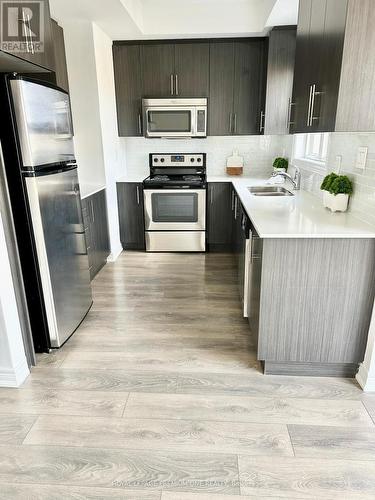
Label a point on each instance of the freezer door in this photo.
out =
(44, 123)
(56, 213)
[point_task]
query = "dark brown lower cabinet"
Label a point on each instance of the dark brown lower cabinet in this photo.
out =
(219, 216)
(131, 218)
(94, 209)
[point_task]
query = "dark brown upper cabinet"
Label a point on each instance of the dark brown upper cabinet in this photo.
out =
(191, 69)
(128, 85)
(237, 87)
(158, 69)
(60, 58)
(175, 69)
(220, 113)
(280, 70)
(250, 59)
(319, 49)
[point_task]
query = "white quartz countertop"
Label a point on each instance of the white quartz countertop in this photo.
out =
(298, 216)
(89, 191)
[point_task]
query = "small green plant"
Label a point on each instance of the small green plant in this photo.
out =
(327, 181)
(280, 163)
(341, 185)
(337, 184)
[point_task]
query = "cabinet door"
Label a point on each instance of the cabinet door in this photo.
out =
(237, 228)
(128, 85)
(220, 116)
(192, 69)
(317, 56)
(60, 58)
(158, 69)
(131, 218)
(280, 70)
(302, 73)
(331, 51)
(255, 276)
(219, 216)
(45, 58)
(249, 87)
(99, 201)
(356, 106)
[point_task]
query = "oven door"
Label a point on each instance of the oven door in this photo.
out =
(175, 209)
(167, 121)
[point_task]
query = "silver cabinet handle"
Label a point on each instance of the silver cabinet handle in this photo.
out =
(289, 114)
(314, 93)
(92, 212)
(235, 123)
(139, 124)
(261, 124)
(235, 206)
(138, 200)
(176, 84)
(232, 200)
(309, 110)
(171, 81)
(230, 123)
(211, 196)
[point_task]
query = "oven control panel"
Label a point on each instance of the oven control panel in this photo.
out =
(177, 160)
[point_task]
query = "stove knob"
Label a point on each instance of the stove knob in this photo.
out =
(162, 160)
(199, 160)
(192, 160)
(156, 160)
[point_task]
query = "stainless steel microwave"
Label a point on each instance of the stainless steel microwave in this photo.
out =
(175, 117)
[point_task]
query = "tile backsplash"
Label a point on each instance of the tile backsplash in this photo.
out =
(258, 152)
(362, 202)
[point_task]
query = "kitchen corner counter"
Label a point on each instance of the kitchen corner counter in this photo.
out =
(132, 178)
(298, 216)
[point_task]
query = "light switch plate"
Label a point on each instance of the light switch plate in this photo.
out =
(361, 158)
(338, 163)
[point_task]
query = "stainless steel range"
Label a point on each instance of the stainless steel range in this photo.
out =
(175, 203)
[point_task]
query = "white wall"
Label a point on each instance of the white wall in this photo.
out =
(114, 160)
(92, 93)
(362, 202)
(258, 152)
(83, 89)
(13, 363)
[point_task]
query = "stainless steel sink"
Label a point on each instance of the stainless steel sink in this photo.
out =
(269, 191)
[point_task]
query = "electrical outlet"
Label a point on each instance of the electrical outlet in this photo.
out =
(361, 158)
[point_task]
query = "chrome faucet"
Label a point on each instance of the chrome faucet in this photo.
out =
(295, 180)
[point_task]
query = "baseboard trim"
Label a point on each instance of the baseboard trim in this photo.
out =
(112, 257)
(347, 370)
(14, 377)
(367, 383)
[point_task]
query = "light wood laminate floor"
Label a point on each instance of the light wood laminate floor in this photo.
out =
(158, 395)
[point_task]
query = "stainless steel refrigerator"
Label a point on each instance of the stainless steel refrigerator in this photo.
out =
(60, 286)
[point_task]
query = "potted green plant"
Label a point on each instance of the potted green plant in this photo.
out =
(337, 189)
(280, 164)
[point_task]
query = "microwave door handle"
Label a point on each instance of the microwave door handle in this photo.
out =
(194, 125)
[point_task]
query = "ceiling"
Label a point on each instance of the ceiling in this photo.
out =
(146, 19)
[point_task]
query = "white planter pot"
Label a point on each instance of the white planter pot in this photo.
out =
(336, 203)
(279, 169)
